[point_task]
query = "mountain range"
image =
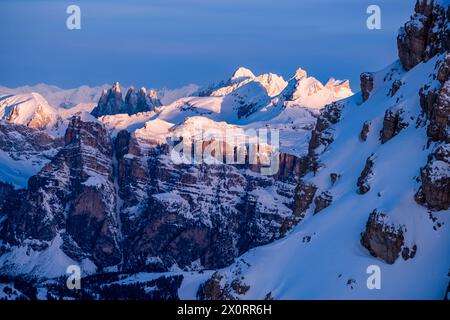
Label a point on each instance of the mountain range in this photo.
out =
(363, 180)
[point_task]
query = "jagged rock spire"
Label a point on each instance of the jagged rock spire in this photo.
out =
(111, 101)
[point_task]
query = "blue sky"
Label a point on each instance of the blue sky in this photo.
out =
(170, 43)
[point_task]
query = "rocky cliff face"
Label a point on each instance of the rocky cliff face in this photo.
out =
(393, 123)
(122, 202)
(140, 101)
(322, 135)
(425, 35)
(73, 197)
(209, 213)
(116, 199)
(22, 142)
(435, 103)
(110, 102)
(435, 189)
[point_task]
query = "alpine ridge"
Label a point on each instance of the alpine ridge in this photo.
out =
(363, 180)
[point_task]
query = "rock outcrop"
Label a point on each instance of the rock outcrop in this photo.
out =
(334, 177)
(363, 180)
(425, 35)
(393, 123)
(110, 102)
(383, 239)
(435, 103)
(365, 131)
(396, 85)
(438, 128)
(322, 201)
(21, 142)
(322, 135)
(444, 69)
(435, 176)
(215, 289)
(367, 83)
(304, 195)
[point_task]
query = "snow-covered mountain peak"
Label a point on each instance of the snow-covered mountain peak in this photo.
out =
(241, 74)
(143, 91)
(363, 182)
(310, 92)
(273, 83)
(30, 109)
(299, 85)
(332, 82)
(300, 74)
(152, 93)
(116, 87)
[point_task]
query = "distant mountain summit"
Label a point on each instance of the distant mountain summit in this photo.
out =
(310, 92)
(363, 183)
(241, 74)
(30, 109)
(111, 101)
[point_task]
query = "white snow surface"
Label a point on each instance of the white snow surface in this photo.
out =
(49, 263)
(58, 97)
(333, 264)
(247, 102)
(86, 97)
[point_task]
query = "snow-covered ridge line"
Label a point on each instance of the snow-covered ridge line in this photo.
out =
(86, 95)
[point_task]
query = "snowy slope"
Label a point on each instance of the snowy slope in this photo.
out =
(291, 268)
(272, 83)
(29, 109)
(50, 263)
(322, 258)
(18, 171)
(246, 102)
(167, 96)
(309, 92)
(34, 111)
